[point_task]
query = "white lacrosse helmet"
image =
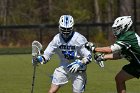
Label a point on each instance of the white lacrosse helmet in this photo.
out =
(121, 25)
(66, 23)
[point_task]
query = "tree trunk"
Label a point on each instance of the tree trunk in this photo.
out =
(97, 14)
(46, 8)
(3, 16)
(110, 19)
(126, 7)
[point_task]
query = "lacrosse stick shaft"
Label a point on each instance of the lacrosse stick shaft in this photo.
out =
(34, 71)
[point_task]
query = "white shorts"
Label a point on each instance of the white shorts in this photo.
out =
(61, 77)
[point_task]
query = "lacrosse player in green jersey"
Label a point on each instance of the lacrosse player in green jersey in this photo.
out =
(126, 46)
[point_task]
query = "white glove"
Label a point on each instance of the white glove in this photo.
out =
(90, 46)
(99, 59)
(74, 66)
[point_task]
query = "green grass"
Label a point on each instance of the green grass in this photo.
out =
(16, 76)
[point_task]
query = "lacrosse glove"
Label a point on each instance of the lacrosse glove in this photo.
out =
(90, 46)
(99, 59)
(39, 59)
(74, 66)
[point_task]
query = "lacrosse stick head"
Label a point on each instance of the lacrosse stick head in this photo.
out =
(98, 58)
(36, 48)
(101, 64)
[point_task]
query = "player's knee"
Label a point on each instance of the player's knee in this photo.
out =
(51, 91)
(77, 92)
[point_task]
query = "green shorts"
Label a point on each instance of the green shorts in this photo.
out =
(132, 69)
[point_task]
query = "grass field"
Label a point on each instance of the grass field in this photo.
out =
(16, 76)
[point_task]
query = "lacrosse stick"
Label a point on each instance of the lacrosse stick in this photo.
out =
(36, 51)
(101, 63)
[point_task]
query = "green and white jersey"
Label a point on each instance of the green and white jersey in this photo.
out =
(129, 46)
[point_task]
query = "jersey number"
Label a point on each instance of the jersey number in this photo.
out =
(68, 54)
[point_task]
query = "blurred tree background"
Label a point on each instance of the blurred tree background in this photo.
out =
(31, 12)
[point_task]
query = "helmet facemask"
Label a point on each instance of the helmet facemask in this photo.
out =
(65, 32)
(117, 30)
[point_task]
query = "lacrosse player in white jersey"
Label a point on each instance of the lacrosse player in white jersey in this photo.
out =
(69, 45)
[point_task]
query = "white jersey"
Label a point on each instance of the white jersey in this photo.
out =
(67, 52)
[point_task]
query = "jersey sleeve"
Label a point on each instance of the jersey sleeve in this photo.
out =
(81, 40)
(120, 45)
(50, 50)
(115, 47)
(86, 54)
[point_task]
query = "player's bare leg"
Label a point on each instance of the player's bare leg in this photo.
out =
(54, 88)
(120, 79)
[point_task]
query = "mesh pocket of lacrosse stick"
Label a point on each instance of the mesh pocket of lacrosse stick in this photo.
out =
(36, 48)
(101, 63)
